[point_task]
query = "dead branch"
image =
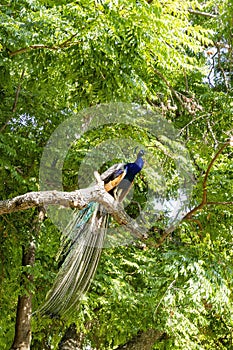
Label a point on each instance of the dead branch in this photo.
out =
(80, 198)
(76, 199)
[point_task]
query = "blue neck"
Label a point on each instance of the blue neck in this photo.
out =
(139, 162)
(132, 169)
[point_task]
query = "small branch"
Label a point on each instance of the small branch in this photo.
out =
(198, 222)
(5, 124)
(186, 82)
(161, 300)
(17, 92)
(193, 120)
(211, 70)
(164, 236)
(201, 13)
(169, 86)
(204, 185)
(189, 217)
(216, 143)
(63, 45)
(32, 47)
(221, 69)
(204, 200)
(203, 203)
(219, 203)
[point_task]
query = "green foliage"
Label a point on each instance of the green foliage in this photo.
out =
(181, 290)
(58, 57)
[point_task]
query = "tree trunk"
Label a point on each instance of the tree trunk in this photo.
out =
(23, 334)
(71, 339)
(22, 339)
(143, 341)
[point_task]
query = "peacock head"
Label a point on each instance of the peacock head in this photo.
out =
(141, 153)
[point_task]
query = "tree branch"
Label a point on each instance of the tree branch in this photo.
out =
(219, 203)
(17, 92)
(169, 85)
(201, 13)
(80, 198)
(63, 45)
(76, 199)
(204, 185)
(186, 102)
(204, 201)
(32, 47)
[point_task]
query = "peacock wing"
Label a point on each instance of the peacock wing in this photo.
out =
(113, 176)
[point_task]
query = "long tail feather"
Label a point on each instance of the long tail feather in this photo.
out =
(83, 242)
(82, 246)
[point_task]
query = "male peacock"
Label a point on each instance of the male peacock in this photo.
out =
(83, 241)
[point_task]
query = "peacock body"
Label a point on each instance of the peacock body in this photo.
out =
(83, 241)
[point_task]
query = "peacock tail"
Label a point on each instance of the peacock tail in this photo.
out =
(81, 250)
(83, 240)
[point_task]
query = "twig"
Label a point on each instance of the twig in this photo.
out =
(193, 120)
(17, 92)
(63, 45)
(201, 13)
(216, 143)
(15, 102)
(211, 70)
(197, 222)
(186, 82)
(169, 287)
(32, 47)
(219, 203)
(169, 86)
(222, 70)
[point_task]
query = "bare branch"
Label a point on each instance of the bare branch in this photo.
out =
(76, 199)
(80, 198)
(219, 203)
(201, 13)
(204, 185)
(204, 202)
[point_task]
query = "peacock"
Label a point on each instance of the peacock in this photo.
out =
(83, 240)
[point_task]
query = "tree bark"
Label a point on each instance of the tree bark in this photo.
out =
(23, 334)
(143, 341)
(22, 339)
(71, 339)
(76, 199)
